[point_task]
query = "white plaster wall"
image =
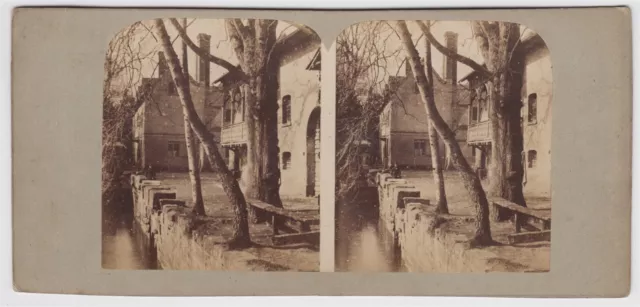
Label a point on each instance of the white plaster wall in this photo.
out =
(538, 80)
(303, 86)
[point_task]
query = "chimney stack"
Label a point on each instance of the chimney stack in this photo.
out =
(163, 68)
(450, 69)
(203, 65)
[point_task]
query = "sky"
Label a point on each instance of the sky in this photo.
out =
(467, 46)
(220, 45)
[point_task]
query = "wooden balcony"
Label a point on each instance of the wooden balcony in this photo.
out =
(479, 133)
(234, 134)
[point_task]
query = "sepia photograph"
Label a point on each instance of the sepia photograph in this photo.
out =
(205, 163)
(443, 140)
(211, 146)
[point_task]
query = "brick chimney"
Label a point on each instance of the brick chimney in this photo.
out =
(203, 65)
(163, 68)
(450, 69)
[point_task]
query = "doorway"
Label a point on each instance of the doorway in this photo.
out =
(313, 153)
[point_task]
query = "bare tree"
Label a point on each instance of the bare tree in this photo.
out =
(436, 157)
(240, 237)
(254, 41)
(362, 94)
(497, 42)
(470, 179)
(192, 146)
(122, 67)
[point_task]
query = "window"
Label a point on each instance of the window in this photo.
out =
(420, 147)
(174, 149)
(474, 114)
(532, 156)
(286, 109)
(227, 116)
(533, 108)
(286, 160)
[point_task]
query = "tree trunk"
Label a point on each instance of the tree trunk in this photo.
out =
(269, 190)
(240, 237)
(436, 158)
(253, 44)
(506, 170)
(469, 177)
(192, 146)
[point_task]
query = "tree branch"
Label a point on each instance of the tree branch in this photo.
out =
(236, 40)
(447, 52)
(211, 58)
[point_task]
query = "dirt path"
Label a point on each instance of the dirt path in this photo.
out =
(298, 257)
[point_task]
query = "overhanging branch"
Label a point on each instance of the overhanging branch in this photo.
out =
(211, 58)
(449, 53)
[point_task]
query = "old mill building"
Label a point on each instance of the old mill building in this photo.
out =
(158, 125)
(298, 115)
(404, 139)
(532, 58)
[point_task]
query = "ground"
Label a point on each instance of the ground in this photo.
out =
(295, 257)
(535, 255)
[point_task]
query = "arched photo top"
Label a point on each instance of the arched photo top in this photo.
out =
(194, 105)
(449, 112)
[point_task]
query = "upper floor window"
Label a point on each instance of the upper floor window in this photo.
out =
(286, 160)
(286, 109)
(474, 113)
(227, 116)
(227, 106)
(174, 149)
(532, 107)
(481, 97)
(532, 157)
(420, 147)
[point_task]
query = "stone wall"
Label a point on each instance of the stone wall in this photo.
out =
(182, 241)
(426, 240)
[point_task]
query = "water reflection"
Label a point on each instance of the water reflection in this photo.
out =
(124, 246)
(362, 242)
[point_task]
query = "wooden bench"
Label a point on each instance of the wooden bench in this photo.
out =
(290, 226)
(522, 214)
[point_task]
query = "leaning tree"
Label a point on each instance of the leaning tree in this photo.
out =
(470, 179)
(240, 237)
(256, 46)
(498, 42)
